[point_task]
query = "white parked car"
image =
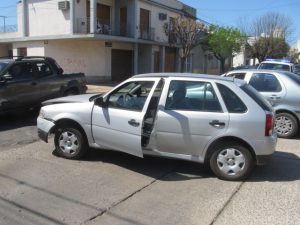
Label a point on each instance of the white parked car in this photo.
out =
(199, 118)
(281, 89)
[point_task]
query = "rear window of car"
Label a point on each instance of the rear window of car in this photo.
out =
(293, 77)
(257, 97)
(233, 103)
(274, 66)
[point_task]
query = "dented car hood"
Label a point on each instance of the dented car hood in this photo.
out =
(72, 99)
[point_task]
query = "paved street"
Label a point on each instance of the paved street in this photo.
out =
(36, 187)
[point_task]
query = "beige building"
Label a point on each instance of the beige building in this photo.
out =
(105, 39)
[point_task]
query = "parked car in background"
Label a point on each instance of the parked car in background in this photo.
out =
(281, 89)
(201, 118)
(297, 69)
(25, 82)
(277, 64)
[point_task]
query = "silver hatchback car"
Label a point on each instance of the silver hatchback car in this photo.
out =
(281, 89)
(201, 118)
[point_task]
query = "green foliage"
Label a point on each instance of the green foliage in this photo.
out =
(225, 41)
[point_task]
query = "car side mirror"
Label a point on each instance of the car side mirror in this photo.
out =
(60, 71)
(100, 102)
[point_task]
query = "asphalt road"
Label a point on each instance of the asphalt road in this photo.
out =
(37, 187)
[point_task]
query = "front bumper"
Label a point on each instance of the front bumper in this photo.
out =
(44, 127)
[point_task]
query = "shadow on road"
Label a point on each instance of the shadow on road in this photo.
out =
(158, 168)
(18, 120)
(283, 167)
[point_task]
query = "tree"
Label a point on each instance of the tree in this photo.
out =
(225, 42)
(264, 47)
(185, 33)
(270, 33)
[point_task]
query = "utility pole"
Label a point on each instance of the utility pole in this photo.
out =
(4, 27)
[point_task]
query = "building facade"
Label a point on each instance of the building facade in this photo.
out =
(105, 39)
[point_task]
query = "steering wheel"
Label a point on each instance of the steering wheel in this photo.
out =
(124, 99)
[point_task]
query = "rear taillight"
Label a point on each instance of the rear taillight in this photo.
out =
(269, 124)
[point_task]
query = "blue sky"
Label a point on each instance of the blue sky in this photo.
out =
(231, 12)
(221, 12)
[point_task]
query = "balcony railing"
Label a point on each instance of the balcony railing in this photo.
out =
(8, 29)
(103, 27)
(146, 33)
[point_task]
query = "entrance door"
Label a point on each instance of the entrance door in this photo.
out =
(170, 60)
(118, 123)
(144, 23)
(121, 64)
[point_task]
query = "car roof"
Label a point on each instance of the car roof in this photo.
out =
(191, 75)
(276, 62)
(6, 60)
(255, 70)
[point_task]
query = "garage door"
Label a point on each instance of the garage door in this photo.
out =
(121, 64)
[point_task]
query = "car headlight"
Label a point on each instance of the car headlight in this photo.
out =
(42, 114)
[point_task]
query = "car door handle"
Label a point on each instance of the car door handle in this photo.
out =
(133, 123)
(274, 97)
(217, 123)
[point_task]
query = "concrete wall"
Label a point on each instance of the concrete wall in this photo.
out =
(46, 19)
(34, 48)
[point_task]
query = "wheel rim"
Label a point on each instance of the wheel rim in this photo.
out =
(283, 125)
(68, 142)
(231, 161)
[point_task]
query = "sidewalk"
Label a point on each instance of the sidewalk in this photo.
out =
(103, 87)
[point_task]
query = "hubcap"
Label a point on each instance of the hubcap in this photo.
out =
(231, 161)
(68, 142)
(283, 125)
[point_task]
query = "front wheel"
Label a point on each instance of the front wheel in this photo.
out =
(70, 143)
(286, 125)
(231, 162)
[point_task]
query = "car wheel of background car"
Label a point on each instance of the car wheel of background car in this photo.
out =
(70, 92)
(231, 161)
(70, 143)
(286, 125)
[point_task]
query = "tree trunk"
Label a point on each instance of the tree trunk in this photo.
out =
(182, 64)
(222, 61)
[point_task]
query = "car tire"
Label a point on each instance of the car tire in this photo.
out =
(286, 125)
(231, 161)
(70, 143)
(70, 92)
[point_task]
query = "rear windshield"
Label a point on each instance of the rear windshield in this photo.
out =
(274, 66)
(257, 97)
(293, 77)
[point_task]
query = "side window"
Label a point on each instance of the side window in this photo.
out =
(130, 96)
(43, 69)
(237, 75)
(233, 103)
(264, 82)
(21, 71)
(192, 96)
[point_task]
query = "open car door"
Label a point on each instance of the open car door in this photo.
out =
(117, 123)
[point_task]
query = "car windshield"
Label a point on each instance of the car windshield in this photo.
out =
(2, 65)
(292, 76)
(274, 66)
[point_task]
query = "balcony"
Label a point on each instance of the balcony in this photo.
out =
(103, 27)
(146, 33)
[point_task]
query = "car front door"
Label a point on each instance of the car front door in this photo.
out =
(118, 123)
(269, 86)
(189, 116)
(21, 90)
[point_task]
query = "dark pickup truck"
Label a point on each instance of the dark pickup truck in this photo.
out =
(25, 82)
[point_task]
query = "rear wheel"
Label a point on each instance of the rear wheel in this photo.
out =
(231, 161)
(286, 125)
(70, 143)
